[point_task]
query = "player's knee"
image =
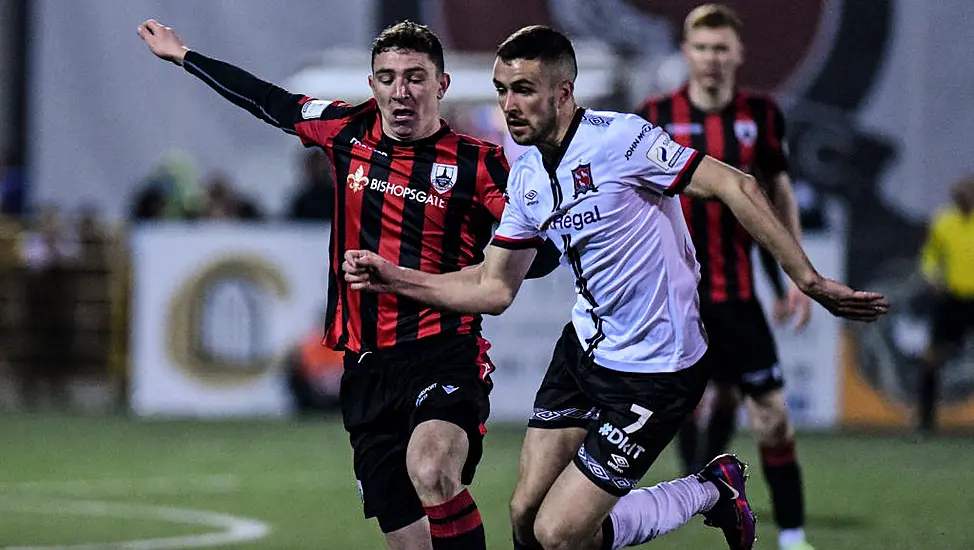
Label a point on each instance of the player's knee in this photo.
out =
(434, 480)
(523, 513)
(553, 533)
(773, 426)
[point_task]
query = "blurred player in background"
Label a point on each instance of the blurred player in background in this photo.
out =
(948, 266)
(414, 392)
(631, 365)
(745, 130)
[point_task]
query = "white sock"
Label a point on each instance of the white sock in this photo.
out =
(788, 537)
(647, 513)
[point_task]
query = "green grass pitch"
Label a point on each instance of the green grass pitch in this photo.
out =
(96, 482)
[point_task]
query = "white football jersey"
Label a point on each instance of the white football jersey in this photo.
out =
(609, 206)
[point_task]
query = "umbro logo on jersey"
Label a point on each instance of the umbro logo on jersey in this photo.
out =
(532, 197)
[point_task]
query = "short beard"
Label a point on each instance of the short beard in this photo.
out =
(547, 126)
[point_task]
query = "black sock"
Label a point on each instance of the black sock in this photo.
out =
(929, 382)
(688, 440)
(720, 430)
(785, 483)
(456, 524)
(608, 533)
(518, 545)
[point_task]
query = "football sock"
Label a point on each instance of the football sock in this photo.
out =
(648, 512)
(687, 439)
(720, 430)
(785, 483)
(518, 545)
(456, 524)
(787, 537)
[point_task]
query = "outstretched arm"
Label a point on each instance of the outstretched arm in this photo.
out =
(742, 194)
(794, 304)
(488, 287)
(264, 100)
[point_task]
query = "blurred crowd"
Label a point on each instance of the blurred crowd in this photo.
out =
(172, 192)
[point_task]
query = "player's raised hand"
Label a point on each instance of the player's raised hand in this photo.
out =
(366, 270)
(163, 41)
(794, 304)
(843, 301)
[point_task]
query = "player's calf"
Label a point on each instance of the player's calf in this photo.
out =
(779, 463)
(435, 457)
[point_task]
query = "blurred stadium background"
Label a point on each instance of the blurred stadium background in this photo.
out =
(163, 260)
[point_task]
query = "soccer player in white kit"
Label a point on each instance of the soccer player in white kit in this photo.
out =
(627, 370)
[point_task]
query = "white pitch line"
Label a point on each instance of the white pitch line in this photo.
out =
(233, 529)
(216, 483)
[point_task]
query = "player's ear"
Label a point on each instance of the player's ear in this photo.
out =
(566, 91)
(444, 84)
(372, 83)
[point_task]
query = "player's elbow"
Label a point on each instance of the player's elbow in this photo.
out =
(501, 299)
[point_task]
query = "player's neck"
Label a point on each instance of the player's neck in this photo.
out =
(422, 133)
(710, 99)
(551, 148)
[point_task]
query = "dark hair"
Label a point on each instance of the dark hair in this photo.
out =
(542, 43)
(411, 37)
(713, 16)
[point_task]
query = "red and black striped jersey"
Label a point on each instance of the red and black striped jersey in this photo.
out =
(428, 204)
(747, 134)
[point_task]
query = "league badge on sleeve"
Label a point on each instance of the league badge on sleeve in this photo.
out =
(443, 177)
(313, 109)
(664, 152)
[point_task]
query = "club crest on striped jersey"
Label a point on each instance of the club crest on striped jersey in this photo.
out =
(582, 177)
(746, 132)
(358, 180)
(443, 177)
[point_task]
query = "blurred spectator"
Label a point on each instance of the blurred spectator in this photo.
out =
(315, 197)
(314, 376)
(222, 202)
(93, 300)
(170, 192)
(948, 266)
(48, 250)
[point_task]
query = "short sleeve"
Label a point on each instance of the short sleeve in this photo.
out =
(515, 230)
(321, 120)
(772, 154)
(644, 155)
(492, 181)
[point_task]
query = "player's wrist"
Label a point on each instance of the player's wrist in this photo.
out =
(808, 282)
(180, 57)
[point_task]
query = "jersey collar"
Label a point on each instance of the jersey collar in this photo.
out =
(565, 142)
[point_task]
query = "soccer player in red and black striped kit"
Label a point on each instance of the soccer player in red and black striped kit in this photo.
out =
(416, 382)
(746, 130)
